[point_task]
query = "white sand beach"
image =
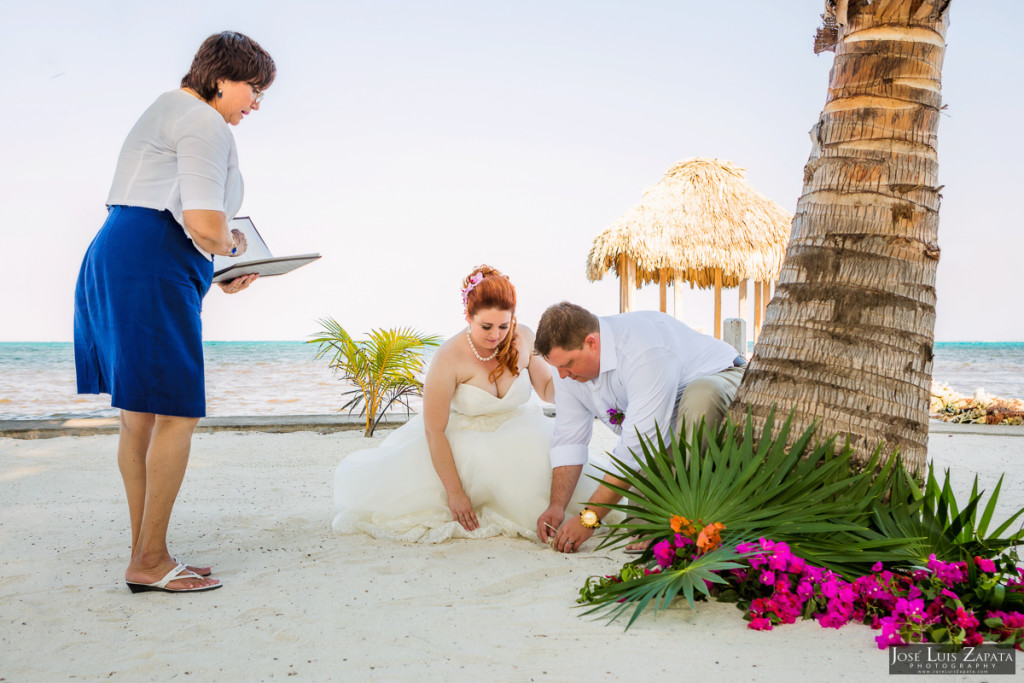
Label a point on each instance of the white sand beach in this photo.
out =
(300, 601)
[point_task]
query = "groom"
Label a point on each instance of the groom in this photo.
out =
(634, 372)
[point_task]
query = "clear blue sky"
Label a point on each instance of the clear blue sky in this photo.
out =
(409, 141)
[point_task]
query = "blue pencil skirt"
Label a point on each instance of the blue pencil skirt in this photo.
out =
(138, 331)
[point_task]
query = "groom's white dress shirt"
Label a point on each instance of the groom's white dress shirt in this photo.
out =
(647, 359)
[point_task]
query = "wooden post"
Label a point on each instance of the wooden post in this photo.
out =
(677, 294)
(623, 296)
(758, 310)
(630, 284)
(663, 290)
(743, 300)
(743, 310)
(718, 303)
(734, 331)
(766, 296)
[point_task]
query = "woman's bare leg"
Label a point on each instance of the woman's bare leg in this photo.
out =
(162, 471)
(136, 429)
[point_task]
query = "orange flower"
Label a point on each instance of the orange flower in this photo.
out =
(681, 525)
(709, 537)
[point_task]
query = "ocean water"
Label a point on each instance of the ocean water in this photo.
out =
(37, 380)
(996, 367)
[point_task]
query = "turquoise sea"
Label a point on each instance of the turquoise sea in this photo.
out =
(37, 380)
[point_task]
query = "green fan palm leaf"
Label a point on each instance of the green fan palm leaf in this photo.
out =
(805, 495)
(808, 495)
(662, 588)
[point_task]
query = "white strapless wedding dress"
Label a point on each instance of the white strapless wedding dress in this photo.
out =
(500, 447)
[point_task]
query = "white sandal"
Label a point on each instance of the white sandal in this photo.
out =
(179, 572)
(177, 561)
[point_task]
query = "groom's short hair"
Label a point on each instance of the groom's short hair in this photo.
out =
(564, 325)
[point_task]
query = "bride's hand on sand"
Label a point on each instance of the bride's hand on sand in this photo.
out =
(462, 511)
(239, 283)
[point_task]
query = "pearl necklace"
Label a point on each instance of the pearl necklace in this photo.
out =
(482, 360)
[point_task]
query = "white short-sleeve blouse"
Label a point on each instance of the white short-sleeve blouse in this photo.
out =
(180, 155)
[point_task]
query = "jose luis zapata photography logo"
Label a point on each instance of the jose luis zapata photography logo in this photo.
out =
(929, 658)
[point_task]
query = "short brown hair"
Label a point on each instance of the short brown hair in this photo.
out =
(564, 325)
(229, 56)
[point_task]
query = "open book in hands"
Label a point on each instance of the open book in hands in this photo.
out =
(257, 257)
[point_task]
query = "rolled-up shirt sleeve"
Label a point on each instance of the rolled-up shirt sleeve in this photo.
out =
(653, 389)
(574, 424)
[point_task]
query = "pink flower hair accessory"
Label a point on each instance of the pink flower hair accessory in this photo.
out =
(474, 279)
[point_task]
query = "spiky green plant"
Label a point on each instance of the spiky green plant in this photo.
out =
(635, 589)
(934, 523)
(829, 511)
(383, 368)
(805, 495)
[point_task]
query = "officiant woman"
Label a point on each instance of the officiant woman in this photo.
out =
(140, 289)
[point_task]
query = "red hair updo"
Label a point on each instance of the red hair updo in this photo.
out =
(487, 288)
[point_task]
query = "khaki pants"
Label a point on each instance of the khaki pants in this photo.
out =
(708, 397)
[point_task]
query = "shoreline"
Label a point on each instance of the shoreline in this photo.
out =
(329, 424)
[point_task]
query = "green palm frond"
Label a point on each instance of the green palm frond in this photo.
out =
(384, 369)
(662, 588)
(809, 495)
(935, 523)
(805, 495)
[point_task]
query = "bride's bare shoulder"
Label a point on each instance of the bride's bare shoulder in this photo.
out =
(448, 366)
(451, 345)
(525, 338)
(450, 354)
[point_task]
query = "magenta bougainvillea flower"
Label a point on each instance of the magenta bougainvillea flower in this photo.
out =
(904, 607)
(942, 602)
(984, 565)
(664, 553)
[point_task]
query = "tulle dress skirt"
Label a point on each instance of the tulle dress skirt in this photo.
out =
(500, 447)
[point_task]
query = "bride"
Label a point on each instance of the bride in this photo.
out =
(475, 462)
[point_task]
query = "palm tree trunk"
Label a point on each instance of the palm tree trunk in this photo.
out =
(847, 339)
(371, 401)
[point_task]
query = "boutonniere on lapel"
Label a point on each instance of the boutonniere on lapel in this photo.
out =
(616, 416)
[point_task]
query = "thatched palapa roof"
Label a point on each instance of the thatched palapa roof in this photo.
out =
(702, 215)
